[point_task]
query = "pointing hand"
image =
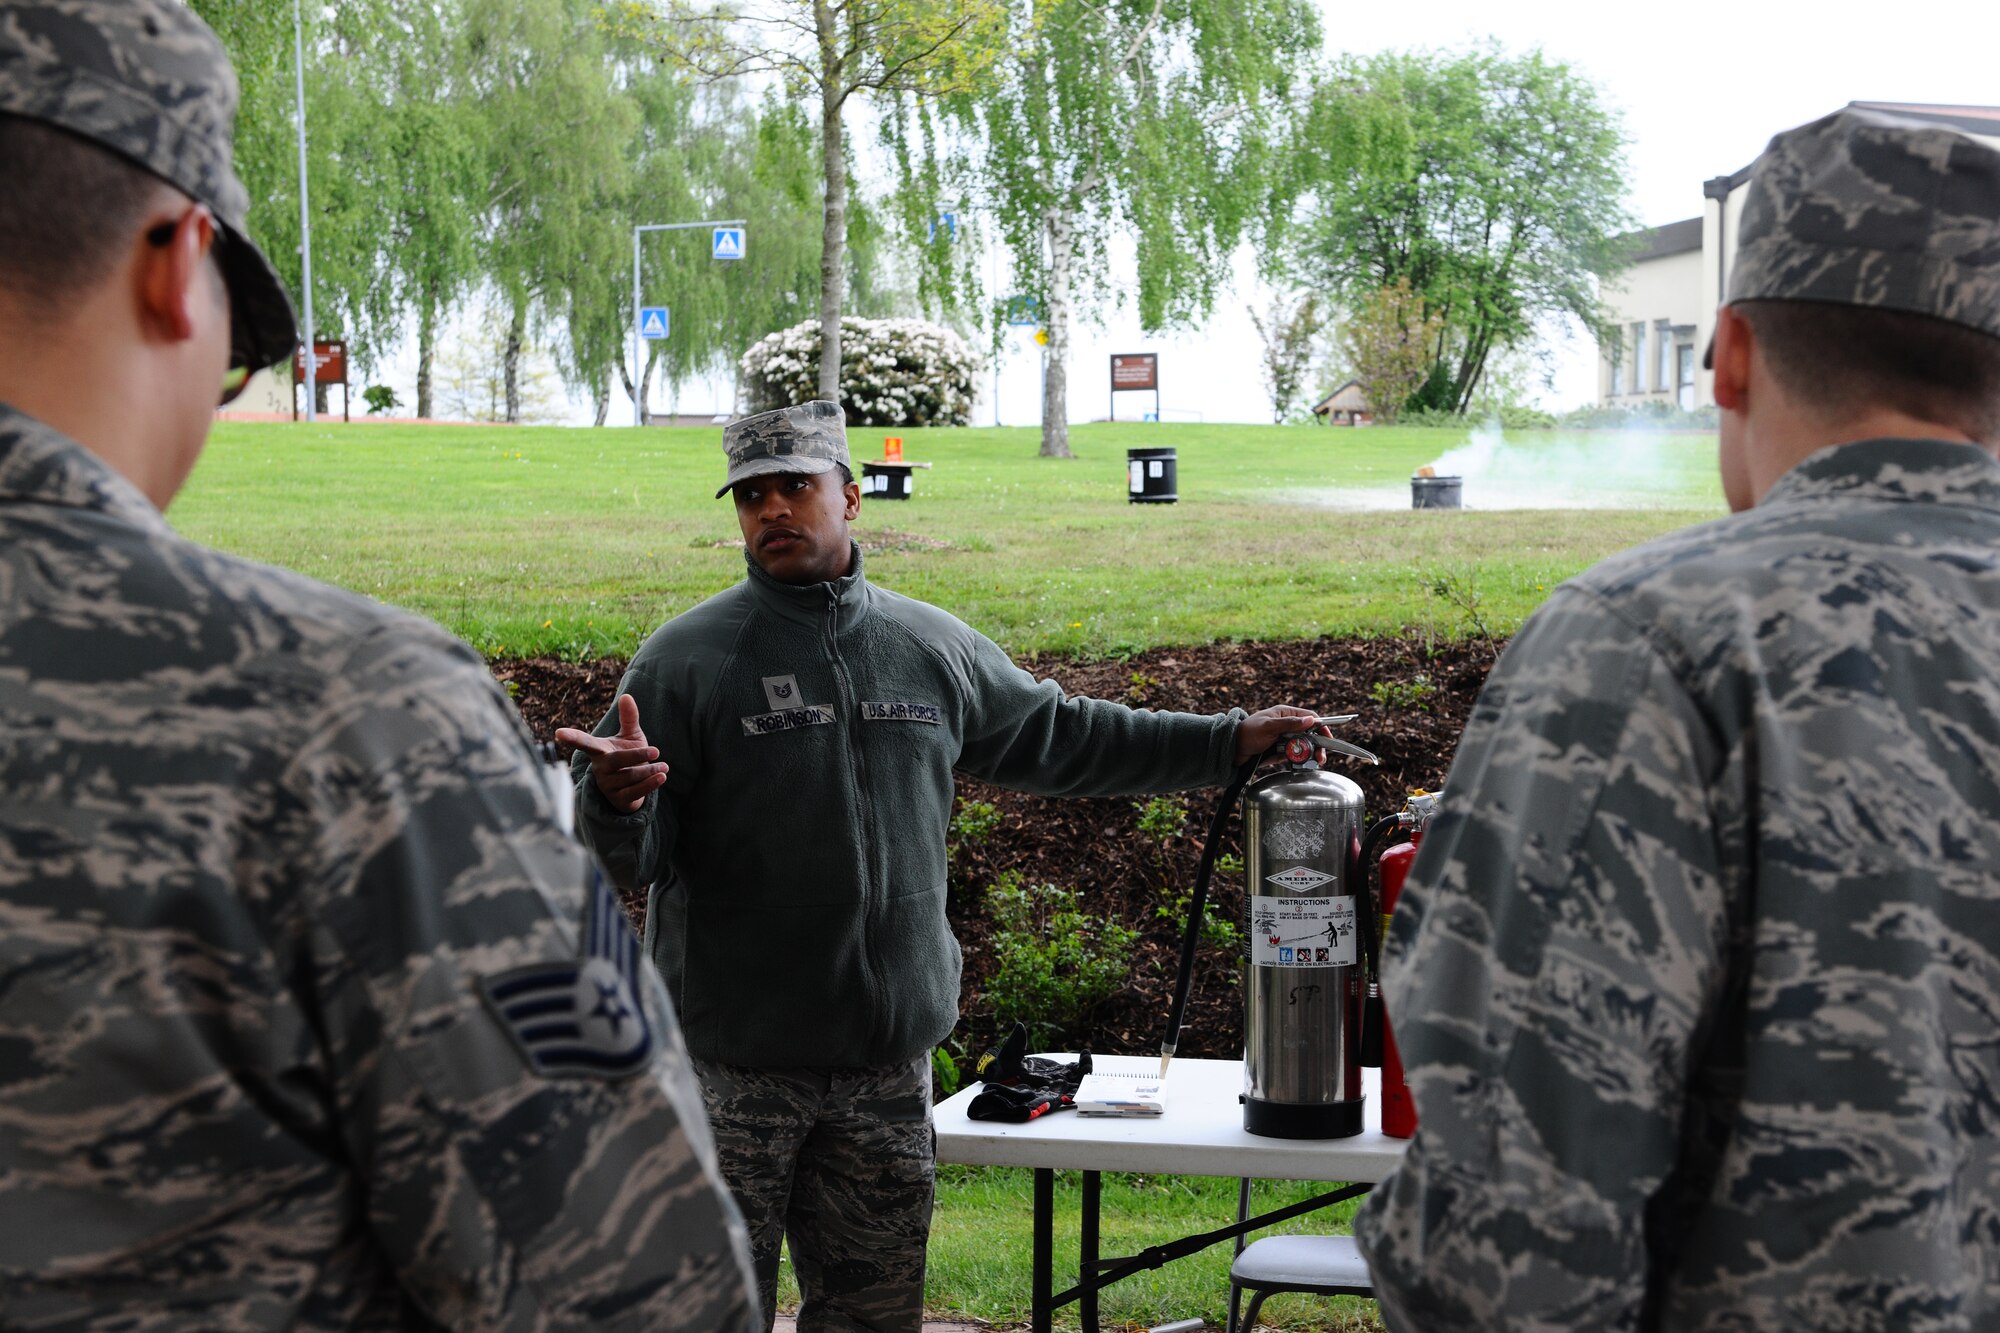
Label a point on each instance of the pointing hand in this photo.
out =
(623, 765)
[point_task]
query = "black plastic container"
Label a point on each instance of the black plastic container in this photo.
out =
(887, 481)
(1152, 476)
(1437, 492)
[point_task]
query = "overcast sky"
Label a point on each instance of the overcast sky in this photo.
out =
(1701, 89)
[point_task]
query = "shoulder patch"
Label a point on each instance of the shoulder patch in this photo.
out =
(583, 1015)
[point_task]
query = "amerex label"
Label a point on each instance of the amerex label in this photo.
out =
(1302, 932)
(1299, 879)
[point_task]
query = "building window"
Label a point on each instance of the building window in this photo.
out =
(1663, 342)
(1617, 360)
(1638, 357)
(1684, 375)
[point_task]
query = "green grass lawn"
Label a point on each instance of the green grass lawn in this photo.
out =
(580, 542)
(980, 1257)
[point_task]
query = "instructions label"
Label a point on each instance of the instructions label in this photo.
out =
(1302, 932)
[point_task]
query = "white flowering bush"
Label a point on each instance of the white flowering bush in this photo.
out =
(893, 372)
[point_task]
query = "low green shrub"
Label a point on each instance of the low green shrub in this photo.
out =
(1055, 961)
(1412, 693)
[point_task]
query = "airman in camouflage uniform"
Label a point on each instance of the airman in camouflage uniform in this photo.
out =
(311, 1016)
(1697, 977)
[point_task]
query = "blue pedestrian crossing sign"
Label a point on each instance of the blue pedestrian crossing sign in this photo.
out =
(654, 321)
(728, 243)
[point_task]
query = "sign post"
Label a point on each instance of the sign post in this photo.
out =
(729, 230)
(1135, 371)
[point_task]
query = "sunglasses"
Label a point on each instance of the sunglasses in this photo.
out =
(236, 378)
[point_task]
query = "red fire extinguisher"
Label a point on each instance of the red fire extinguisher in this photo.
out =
(1399, 1112)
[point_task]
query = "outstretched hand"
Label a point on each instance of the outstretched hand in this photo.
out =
(623, 766)
(1261, 730)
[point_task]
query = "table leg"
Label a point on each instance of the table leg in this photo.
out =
(1042, 1311)
(1086, 1268)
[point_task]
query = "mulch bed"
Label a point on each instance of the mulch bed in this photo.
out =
(1096, 845)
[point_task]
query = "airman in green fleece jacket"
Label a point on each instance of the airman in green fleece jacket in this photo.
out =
(778, 771)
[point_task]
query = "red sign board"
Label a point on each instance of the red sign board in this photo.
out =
(1135, 370)
(329, 363)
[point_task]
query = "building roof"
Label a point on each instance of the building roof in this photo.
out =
(1354, 401)
(1672, 238)
(1981, 120)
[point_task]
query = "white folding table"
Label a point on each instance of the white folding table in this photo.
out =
(1201, 1134)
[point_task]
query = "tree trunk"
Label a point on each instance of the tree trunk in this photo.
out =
(833, 222)
(427, 318)
(1055, 380)
(516, 334)
(602, 393)
(625, 378)
(646, 383)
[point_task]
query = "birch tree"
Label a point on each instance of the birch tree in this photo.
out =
(1148, 117)
(829, 52)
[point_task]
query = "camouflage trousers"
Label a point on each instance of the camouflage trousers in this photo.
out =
(839, 1163)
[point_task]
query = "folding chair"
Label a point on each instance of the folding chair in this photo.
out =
(1321, 1265)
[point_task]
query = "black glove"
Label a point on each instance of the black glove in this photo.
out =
(1019, 1086)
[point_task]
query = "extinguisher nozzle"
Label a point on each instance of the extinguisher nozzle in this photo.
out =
(1371, 1028)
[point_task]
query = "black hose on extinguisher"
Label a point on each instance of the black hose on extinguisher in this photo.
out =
(1198, 903)
(1371, 939)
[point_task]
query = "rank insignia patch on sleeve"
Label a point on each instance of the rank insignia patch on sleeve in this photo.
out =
(581, 1015)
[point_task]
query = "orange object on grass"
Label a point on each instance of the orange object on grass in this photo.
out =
(892, 448)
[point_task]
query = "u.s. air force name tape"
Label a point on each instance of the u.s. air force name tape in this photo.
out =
(888, 712)
(785, 719)
(580, 1015)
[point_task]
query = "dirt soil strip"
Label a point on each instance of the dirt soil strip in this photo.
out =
(1413, 698)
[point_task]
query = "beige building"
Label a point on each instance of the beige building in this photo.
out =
(1665, 303)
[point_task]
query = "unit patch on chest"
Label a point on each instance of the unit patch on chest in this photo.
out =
(891, 712)
(788, 719)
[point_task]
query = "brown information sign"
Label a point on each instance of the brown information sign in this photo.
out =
(329, 363)
(1135, 370)
(329, 367)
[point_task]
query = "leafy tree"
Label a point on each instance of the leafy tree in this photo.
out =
(705, 151)
(1149, 117)
(555, 128)
(1390, 341)
(1290, 332)
(831, 51)
(393, 170)
(1493, 184)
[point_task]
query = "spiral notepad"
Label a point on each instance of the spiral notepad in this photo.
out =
(1121, 1095)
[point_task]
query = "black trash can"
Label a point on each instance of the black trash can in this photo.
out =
(1437, 492)
(1152, 477)
(887, 481)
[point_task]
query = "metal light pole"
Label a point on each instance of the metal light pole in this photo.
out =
(305, 215)
(638, 361)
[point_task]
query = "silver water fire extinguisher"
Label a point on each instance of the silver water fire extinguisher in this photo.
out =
(1306, 952)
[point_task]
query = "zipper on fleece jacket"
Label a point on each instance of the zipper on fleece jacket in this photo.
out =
(850, 711)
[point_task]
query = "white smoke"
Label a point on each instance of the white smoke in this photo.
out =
(1558, 470)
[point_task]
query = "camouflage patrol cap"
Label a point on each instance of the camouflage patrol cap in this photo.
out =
(1870, 209)
(148, 80)
(811, 437)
